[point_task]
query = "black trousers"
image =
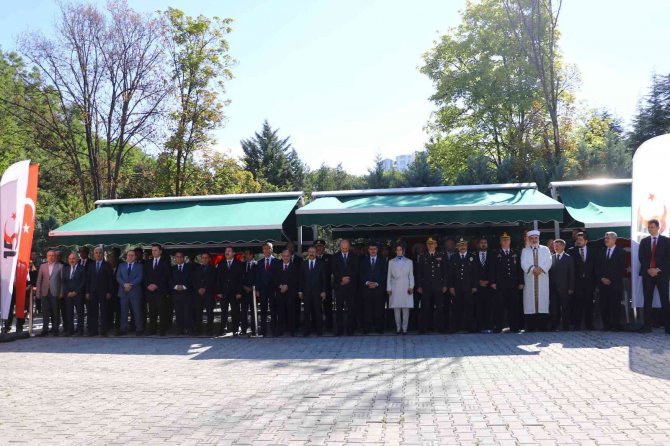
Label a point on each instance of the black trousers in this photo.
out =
(462, 311)
(312, 311)
(72, 305)
(559, 309)
(51, 313)
(327, 304)
(244, 305)
(264, 303)
(505, 308)
(183, 308)
(429, 299)
(484, 308)
(114, 314)
(582, 304)
(536, 322)
(97, 313)
(610, 305)
(278, 312)
(229, 303)
(345, 295)
(373, 300)
(160, 313)
(648, 286)
(204, 302)
(12, 312)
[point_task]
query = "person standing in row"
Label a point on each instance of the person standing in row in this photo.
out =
(654, 256)
(286, 276)
(181, 287)
(432, 272)
(485, 294)
(264, 288)
(230, 275)
(464, 282)
(561, 286)
(536, 263)
(129, 277)
(50, 292)
(312, 291)
(327, 260)
(400, 288)
(204, 284)
(247, 301)
(157, 285)
(506, 281)
(99, 289)
(74, 284)
(610, 269)
(345, 275)
(585, 282)
(373, 270)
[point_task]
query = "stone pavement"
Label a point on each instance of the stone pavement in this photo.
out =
(534, 388)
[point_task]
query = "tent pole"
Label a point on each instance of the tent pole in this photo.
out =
(315, 232)
(557, 230)
(299, 239)
(535, 225)
(253, 294)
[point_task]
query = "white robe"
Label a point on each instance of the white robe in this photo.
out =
(400, 278)
(536, 295)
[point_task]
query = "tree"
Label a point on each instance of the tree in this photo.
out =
(653, 115)
(375, 178)
(105, 85)
(201, 64)
(421, 174)
(602, 151)
(327, 178)
(272, 160)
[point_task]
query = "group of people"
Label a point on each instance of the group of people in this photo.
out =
(533, 288)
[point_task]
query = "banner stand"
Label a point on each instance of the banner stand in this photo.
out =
(253, 294)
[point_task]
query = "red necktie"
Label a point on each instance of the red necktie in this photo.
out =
(653, 253)
(267, 264)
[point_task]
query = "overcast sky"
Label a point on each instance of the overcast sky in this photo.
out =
(341, 77)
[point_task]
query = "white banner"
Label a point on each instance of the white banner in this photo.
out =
(651, 199)
(13, 187)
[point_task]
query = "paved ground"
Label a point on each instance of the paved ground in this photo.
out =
(551, 388)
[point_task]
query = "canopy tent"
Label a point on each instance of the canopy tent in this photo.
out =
(212, 219)
(430, 206)
(597, 204)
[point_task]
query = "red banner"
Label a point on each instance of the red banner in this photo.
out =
(26, 241)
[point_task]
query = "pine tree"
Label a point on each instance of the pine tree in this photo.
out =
(421, 174)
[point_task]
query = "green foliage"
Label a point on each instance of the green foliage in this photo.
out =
(420, 173)
(332, 178)
(653, 116)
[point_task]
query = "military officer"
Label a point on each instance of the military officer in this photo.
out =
(433, 281)
(506, 281)
(463, 285)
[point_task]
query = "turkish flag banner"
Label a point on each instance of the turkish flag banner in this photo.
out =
(26, 242)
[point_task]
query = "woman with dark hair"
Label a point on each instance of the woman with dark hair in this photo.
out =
(400, 287)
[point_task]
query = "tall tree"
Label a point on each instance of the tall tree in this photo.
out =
(653, 114)
(376, 178)
(272, 160)
(201, 64)
(420, 173)
(105, 85)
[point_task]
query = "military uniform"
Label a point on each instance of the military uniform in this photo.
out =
(463, 281)
(432, 278)
(506, 275)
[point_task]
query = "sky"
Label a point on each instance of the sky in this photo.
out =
(342, 79)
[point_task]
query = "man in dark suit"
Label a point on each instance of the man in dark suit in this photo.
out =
(230, 273)
(561, 286)
(373, 270)
(247, 301)
(584, 257)
(157, 286)
(74, 284)
(205, 286)
(285, 279)
(506, 279)
(610, 269)
(129, 277)
(181, 286)
(345, 275)
(264, 286)
(484, 298)
(432, 279)
(327, 261)
(99, 289)
(312, 286)
(297, 259)
(464, 282)
(654, 255)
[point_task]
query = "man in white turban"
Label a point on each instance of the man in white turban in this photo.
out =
(535, 263)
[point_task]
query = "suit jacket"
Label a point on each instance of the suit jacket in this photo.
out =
(613, 268)
(505, 270)
(134, 278)
(249, 278)
(327, 261)
(313, 282)
(662, 256)
(183, 277)
(53, 283)
(99, 282)
(377, 274)
(342, 269)
(205, 276)
(290, 276)
(229, 281)
(464, 272)
(562, 274)
(585, 272)
(160, 276)
(264, 277)
(74, 282)
(86, 264)
(484, 271)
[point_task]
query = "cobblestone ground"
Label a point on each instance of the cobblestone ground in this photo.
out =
(549, 388)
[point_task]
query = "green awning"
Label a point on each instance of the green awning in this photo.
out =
(184, 220)
(598, 204)
(449, 205)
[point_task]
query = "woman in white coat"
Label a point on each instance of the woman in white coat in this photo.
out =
(400, 287)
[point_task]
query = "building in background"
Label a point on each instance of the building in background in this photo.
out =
(401, 163)
(388, 164)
